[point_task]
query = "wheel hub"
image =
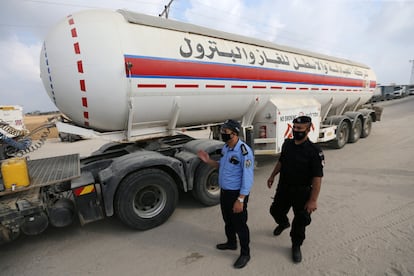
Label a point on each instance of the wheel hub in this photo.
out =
(212, 183)
(147, 199)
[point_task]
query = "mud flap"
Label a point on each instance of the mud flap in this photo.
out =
(87, 200)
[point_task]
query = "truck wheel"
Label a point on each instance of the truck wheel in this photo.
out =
(366, 128)
(355, 131)
(342, 135)
(206, 188)
(146, 199)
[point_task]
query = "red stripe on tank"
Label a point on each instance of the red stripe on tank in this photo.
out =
(156, 68)
(186, 86)
(215, 86)
(82, 85)
(80, 66)
(84, 102)
(77, 48)
(74, 33)
(151, 85)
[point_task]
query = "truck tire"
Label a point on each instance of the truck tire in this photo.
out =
(146, 199)
(342, 135)
(356, 131)
(366, 127)
(206, 188)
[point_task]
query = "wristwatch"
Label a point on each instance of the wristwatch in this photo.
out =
(241, 200)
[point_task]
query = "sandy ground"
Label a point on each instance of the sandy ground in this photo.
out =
(364, 224)
(32, 122)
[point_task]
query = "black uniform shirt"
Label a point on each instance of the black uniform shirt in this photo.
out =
(300, 163)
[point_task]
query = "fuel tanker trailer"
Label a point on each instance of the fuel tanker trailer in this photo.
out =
(137, 80)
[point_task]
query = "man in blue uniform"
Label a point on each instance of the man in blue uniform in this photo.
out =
(235, 180)
(301, 169)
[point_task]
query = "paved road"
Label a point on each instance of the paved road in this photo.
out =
(364, 224)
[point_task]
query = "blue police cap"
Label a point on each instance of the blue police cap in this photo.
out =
(232, 125)
(302, 120)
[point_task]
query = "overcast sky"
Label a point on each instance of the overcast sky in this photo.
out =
(377, 33)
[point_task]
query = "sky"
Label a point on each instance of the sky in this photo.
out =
(378, 33)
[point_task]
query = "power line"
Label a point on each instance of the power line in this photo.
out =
(166, 10)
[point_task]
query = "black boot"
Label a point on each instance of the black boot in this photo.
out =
(279, 229)
(226, 246)
(242, 261)
(296, 254)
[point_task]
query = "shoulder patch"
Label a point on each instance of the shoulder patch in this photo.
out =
(244, 149)
(247, 163)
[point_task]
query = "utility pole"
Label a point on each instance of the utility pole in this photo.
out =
(166, 10)
(412, 71)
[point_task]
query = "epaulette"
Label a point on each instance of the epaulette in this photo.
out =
(244, 149)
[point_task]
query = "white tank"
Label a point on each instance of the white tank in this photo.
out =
(99, 66)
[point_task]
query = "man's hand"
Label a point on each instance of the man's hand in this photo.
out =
(270, 182)
(238, 207)
(311, 206)
(203, 156)
(275, 171)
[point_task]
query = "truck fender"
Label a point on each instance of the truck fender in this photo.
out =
(191, 159)
(370, 112)
(370, 115)
(357, 120)
(202, 178)
(353, 116)
(344, 125)
(336, 120)
(112, 176)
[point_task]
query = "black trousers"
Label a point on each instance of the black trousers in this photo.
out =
(284, 199)
(235, 223)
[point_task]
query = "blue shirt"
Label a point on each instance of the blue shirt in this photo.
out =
(236, 168)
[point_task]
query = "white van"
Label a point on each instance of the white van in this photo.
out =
(399, 91)
(411, 90)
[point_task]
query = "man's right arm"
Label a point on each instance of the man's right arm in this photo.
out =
(275, 171)
(205, 157)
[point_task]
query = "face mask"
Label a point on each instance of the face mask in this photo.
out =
(225, 137)
(299, 135)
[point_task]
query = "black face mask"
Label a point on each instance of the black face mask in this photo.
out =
(299, 135)
(225, 137)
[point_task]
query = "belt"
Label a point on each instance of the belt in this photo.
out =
(229, 191)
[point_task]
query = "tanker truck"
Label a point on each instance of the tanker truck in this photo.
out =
(137, 80)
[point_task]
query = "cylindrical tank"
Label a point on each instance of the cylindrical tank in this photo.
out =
(99, 66)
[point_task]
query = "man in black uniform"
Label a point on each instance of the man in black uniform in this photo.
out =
(301, 169)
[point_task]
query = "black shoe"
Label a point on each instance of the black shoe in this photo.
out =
(279, 229)
(226, 246)
(296, 254)
(241, 261)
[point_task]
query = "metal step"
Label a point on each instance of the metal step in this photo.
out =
(48, 171)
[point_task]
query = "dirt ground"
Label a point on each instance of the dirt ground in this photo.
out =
(32, 122)
(364, 224)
